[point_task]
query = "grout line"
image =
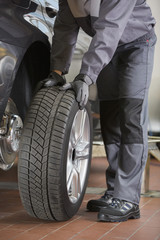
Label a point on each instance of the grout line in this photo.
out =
(109, 231)
(59, 228)
(146, 203)
(143, 224)
(7, 227)
(27, 230)
(75, 235)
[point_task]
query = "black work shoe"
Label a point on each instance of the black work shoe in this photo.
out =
(119, 211)
(96, 205)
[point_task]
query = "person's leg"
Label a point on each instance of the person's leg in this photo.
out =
(135, 69)
(108, 93)
(110, 127)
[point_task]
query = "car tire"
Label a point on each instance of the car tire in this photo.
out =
(54, 155)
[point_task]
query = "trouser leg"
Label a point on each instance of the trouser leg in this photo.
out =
(133, 149)
(135, 70)
(111, 135)
(107, 85)
(135, 63)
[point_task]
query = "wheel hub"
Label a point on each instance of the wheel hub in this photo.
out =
(9, 140)
(14, 133)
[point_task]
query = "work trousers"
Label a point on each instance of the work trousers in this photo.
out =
(123, 93)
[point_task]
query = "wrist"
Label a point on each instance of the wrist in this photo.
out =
(84, 78)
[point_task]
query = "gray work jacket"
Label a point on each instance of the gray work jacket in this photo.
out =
(110, 23)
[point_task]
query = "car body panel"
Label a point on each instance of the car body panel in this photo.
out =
(18, 33)
(10, 58)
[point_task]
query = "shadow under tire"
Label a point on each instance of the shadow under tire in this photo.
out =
(54, 155)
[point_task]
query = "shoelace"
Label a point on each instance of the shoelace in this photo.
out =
(106, 196)
(116, 203)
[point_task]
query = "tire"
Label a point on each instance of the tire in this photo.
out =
(55, 155)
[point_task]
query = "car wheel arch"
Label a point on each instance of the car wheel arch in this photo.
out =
(34, 67)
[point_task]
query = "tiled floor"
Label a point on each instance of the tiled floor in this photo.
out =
(15, 224)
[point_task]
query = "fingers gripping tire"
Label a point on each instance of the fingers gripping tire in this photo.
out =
(55, 155)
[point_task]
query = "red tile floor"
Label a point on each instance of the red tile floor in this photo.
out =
(15, 224)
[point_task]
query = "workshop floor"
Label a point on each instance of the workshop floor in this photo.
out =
(15, 224)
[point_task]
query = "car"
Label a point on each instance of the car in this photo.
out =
(45, 127)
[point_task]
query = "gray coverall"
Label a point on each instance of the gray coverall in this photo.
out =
(120, 60)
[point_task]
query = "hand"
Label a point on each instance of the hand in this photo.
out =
(80, 85)
(54, 79)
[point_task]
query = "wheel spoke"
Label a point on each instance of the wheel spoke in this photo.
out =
(73, 137)
(70, 180)
(81, 120)
(82, 157)
(76, 184)
(70, 150)
(78, 128)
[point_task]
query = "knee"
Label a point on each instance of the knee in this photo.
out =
(130, 120)
(109, 119)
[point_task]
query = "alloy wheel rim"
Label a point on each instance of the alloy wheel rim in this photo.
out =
(78, 155)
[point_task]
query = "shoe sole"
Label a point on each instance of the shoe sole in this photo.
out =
(109, 218)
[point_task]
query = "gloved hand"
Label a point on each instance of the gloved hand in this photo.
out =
(80, 85)
(54, 79)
